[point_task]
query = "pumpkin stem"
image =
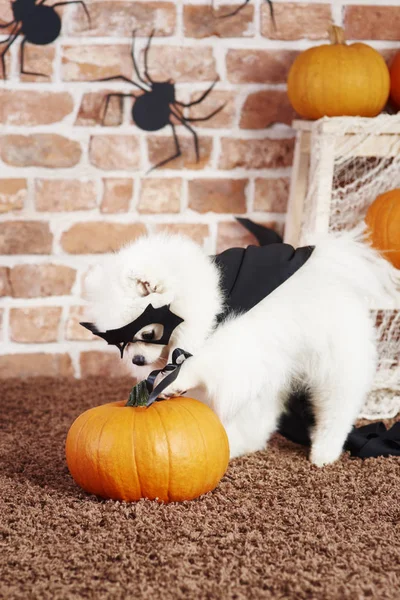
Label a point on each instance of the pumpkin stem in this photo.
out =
(336, 35)
(139, 395)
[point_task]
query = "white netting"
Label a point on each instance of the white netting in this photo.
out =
(366, 164)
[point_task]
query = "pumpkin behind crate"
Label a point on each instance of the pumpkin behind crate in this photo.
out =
(173, 450)
(383, 220)
(395, 80)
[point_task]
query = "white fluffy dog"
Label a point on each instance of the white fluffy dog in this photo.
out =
(314, 331)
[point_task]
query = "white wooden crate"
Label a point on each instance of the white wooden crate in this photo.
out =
(318, 146)
(331, 153)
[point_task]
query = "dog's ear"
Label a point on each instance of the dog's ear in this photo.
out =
(146, 288)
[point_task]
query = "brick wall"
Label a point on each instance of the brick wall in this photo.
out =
(72, 188)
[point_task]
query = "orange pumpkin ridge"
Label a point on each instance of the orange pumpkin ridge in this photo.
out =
(78, 437)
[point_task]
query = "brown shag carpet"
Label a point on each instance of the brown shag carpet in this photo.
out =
(276, 527)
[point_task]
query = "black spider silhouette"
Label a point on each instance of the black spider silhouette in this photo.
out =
(241, 6)
(157, 106)
(39, 24)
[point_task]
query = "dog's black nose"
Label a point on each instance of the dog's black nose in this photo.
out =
(139, 360)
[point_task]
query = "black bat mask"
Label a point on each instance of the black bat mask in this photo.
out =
(124, 335)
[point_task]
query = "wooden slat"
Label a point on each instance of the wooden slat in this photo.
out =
(390, 124)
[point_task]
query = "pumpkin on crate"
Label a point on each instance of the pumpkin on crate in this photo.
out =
(383, 221)
(338, 80)
(395, 80)
(173, 450)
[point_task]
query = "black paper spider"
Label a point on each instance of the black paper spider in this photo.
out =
(39, 24)
(245, 3)
(158, 106)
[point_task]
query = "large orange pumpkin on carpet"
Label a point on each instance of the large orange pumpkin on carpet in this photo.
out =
(173, 450)
(383, 220)
(338, 80)
(395, 80)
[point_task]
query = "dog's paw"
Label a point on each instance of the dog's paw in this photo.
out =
(172, 392)
(187, 379)
(324, 455)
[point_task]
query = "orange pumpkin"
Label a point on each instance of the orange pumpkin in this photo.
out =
(383, 220)
(338, 80)
(171, 451)
(395, 80)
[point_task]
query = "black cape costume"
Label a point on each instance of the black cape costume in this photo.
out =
(250, 274)
(369, 441)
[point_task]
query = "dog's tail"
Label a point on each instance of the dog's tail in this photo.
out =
(366, 269)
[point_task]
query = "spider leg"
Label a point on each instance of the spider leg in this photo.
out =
(74, 2)
(210, 116)
(21, 62)
(235, 11)
(135, 66)
(116, 95)
(271, 12)
(11, 39)
(5, 25)
(146, 55)
(201, 98)
(178, 151)
(196, 139)
(239, 8)
(123, 78)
